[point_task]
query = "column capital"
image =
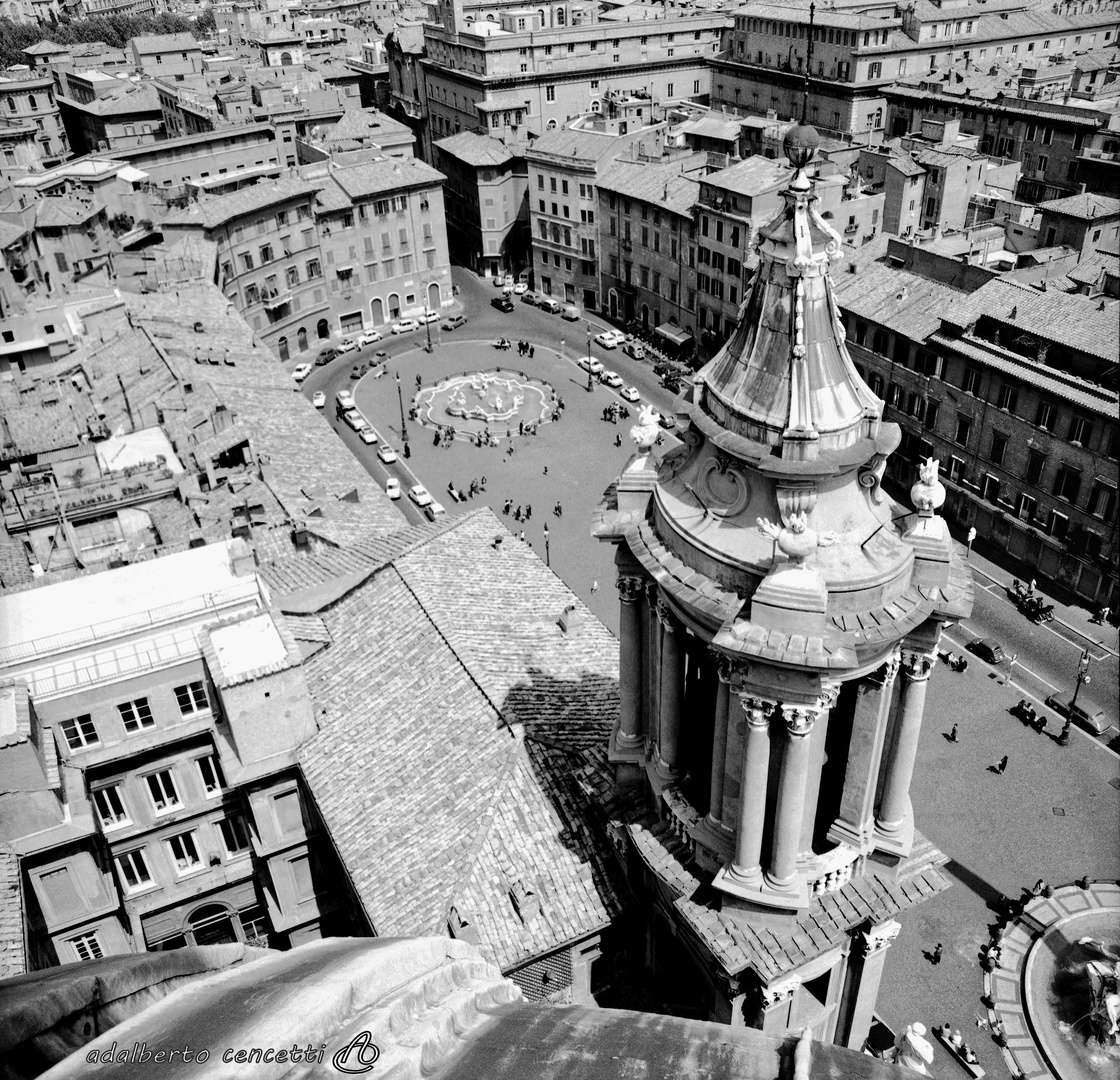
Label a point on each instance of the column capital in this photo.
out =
(830, 691)
(887, 670)
(630, 588)
(725, 666)
(757, 710)
(879, 937)
(667, 618)
(799, 719)
(917, 664)
(777, 991)
(651, 592)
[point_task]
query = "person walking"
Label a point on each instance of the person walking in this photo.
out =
(558, 510)
(528, 511)
(1000, 766)
(546, 470)
(517, 514)
(532, 352)
(506, 506)
(618, 439)
(935, 956)
(953, 734)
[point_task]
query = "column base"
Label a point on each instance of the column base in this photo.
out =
(714, 844)
(757, 894)
(896, 839)
(661, 777)
(754, 914)
(621, 749)
(860, 837)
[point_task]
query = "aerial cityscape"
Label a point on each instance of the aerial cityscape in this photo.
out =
(572, 541)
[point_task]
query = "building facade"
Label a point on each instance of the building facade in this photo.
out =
(31, 101)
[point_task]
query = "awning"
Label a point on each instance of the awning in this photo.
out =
(674, 334)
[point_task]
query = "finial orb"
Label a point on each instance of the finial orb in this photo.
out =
(800, 144)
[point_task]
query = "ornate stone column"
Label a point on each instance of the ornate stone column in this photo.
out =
(855, 823)
(672, 692)
(653, 666)
(894, 824)
(628, 738)
(781, 876)
(719, 738)
(745, 866)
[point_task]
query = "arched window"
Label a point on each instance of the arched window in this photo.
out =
(282, 345)
(394, 306)
(11, 103)
(377, 310)
(556, 234)
(301, 339)
(596, 105)
(323, 329)
(560, 17)
(434, 301)
(212, 925)
(32, 104)
(285, 59)
(878, 119)
(540, 15)
(551, 125)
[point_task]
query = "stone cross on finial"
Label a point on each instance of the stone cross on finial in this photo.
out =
(796, 540)
(928, 494)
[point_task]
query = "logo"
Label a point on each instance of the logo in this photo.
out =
(367, 1054)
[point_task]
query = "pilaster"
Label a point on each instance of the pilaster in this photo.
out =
(861, 987)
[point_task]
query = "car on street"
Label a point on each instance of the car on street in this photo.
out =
(325, 356)
(367, 435)
(987, 649)
(571, 313)
(347, 345)
(635, 349)
(354, 419)
(502, 303)
(301, 372)
(589, 363)
(345, 399)
(319, 400)
(1085, 713)
(609, 378)
(502, 280)
(630, 394)
(419, 495)
(370, 337)
(608, 339)
(667, 422)
(529, 298)
(433, 510)
(386, 453)
(521, 287)
(453, 322)
(393, 488)
(553, 307)
(404, 326)
(429, 316)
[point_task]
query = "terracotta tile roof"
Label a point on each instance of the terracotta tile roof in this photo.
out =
(388, 174)
(475, 149)
(158, 43)
(444, 763)
(1094, 267)
(1087, 206)
(61, 212)
(662, 184)
(218, 209)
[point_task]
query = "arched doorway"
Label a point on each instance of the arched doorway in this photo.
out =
(323, 329)
(612, 300)
(301, 339)
(212, 924)
(434, 301)
(656, 316)
(285, 59)
(394, 306)
(377, 310)
(282, 345)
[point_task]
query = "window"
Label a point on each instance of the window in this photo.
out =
(211, 774)
(133, 868)
(184, 853)
(1045, 416)
(964, 427)
(1080, 431)
(266, 253)
(246, 261)
(80, 732)
(1067, 484)
(550, 93)
(110, 807)
(875, 71)
(999, 447)
(86, 946)
(1035, 464)
(1007, 398)
(161, 787)
(970, 381)
(1102, 501)
(136, 714)
(314, 270)
(191, 698)
(235, 836)
(289, 812)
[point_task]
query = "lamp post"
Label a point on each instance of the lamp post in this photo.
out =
(971, 537)
(547, 556)
(590, 385)
(404, 430)
(427, 328)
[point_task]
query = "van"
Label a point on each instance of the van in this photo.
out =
(1085, 713)
(570, 312)
(635, 349)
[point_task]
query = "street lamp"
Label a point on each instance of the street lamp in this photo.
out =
(590, 385)
(971, 537)
(404, 430)
(547, 557)
(427, 327)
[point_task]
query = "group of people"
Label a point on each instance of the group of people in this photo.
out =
(520, 514)
(476, 487)
(525, 349)
(615, 410)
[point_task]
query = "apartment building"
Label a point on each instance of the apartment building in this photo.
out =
(544, 75)
(166, 55)
(165, 702)
(31, 101)
(117, 116)
(564, 167)
(1008, 387)
(1085, 222)
(857, 56)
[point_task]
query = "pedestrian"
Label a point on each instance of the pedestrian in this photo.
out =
(1030, 587)
(953, 734)
(546, 470)
(482, 484)
(506, 506)
(618, 439)
(517, 514)
(594, 586)
(532, 352)
(521, 427)
(561, 403)
(509, 451)
(528, 511)
(522, 536)
(419, 382)
(935, 958)
(1001, 766)
(558, 510)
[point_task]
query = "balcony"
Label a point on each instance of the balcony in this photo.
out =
(274, 300)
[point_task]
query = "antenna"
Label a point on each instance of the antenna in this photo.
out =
(808, 67)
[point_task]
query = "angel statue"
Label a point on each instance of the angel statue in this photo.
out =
(645, 431)
(914, 1050)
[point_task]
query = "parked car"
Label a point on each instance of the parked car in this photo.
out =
(404, 326)
(325, 356)
(635, 349)
(571, 313)
(608, 378)
(987, 649)
(502, 303)
(453, 322)
(502, 280)
(589, 363)
(1085, 713)
(386, 453)
(529, 298)
(429, 316)
(668, 422)
(521, 287)
(393, 488)
(345, 399)
(370, 337)
(367, 435)
(630, 394)
(319, 400)
(433, 510)
(608, 339)
(347, 345)
(419, 495)
(354, 419)
(553, 307)
(301, 372)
